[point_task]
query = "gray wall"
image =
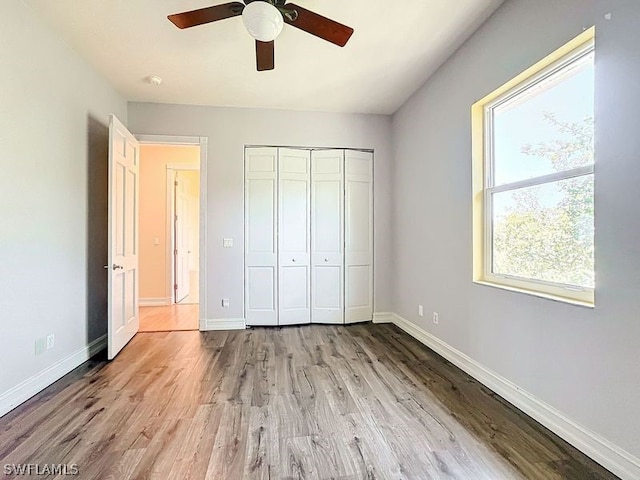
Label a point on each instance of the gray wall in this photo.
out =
(584, 362)
(228, 131)
(53, 163)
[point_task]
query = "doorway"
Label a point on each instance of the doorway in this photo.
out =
(170, 234)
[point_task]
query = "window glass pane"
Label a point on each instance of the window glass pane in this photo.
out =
(547, 128)
(546, 232)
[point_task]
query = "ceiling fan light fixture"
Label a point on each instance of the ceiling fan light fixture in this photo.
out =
(263, 21)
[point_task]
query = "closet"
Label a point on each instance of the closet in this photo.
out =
(308, 236)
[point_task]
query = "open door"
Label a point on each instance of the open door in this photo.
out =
(180, 240)
(123, 319)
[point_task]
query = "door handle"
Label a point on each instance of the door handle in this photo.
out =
(115, 267)
(326, 259)
(293, 260)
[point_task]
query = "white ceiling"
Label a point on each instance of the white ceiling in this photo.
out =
(395, 47)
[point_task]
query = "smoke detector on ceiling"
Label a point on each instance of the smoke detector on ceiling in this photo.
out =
(154, 80)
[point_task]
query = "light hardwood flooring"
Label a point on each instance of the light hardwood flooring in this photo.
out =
(314, 402)
(169, 318)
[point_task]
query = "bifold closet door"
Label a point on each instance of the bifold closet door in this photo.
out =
(261, 236)
(358, 236)
(294, 236)
(327, 236)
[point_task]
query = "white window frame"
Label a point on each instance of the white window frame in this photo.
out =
(572, 293)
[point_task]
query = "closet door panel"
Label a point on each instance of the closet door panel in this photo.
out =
(327, 294)
(358, 236)
(294, 242)
(358, 286)
(294, 205)
(261, 282)
(327, 236)
(261, 254)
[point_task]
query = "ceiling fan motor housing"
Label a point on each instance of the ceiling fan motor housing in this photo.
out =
(263, 21)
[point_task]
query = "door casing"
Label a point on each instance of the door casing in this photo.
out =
(202, 142)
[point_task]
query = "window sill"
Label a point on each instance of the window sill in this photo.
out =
(548, 296)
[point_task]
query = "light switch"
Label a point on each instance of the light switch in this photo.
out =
(156, 240)
(227, 242)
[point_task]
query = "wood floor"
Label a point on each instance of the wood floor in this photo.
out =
(169, 318)
(320, 402)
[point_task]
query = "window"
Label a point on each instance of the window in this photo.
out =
(534, 178)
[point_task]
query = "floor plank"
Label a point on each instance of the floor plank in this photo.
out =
(169, 318)
(313, 402)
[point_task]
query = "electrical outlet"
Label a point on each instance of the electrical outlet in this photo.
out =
(420, 311)
(41, 345)
(51, 341)
(225, 303)
(435, 318)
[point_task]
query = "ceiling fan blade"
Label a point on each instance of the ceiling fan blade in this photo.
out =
(265, 55)
(206, 15)
(319, 26)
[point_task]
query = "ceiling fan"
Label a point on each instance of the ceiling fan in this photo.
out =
(264, 20)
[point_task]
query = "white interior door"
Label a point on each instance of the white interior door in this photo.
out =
(181, 240)
(294, 262)
(358, 236)
(327, 236)
(123, 320)
(261, 236)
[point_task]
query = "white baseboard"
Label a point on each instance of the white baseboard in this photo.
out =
(154, 302)
(35, 384)
(383, 317)
(607, 454)
(212, 324)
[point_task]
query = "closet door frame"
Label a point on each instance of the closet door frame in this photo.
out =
(354, 308)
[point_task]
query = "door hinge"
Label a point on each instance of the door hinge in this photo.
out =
(175, 183)
(175, 286)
